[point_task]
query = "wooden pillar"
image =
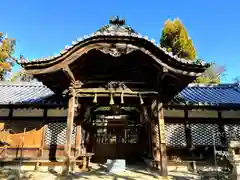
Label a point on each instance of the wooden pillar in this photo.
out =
(155, 135)
(162, 147)
(78, 139)
(68, 146)
(44, 128)
(148, 131)
(187, 130)
(155, 144)
(223, 137)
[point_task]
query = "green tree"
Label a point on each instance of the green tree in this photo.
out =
(176, 40)
(6, 50)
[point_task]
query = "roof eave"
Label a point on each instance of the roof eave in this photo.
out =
(126, 39)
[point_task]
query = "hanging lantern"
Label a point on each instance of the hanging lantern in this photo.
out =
(95, 99)
(141, 99)
(111, 100)
(122, 100)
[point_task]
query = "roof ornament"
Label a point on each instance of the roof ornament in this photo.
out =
(23, 59)
(117, 21)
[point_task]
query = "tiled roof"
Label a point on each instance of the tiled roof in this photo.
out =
(25, 93)
(37, 93)
(209, 95)
(122, 31)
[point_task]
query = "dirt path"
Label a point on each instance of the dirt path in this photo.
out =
(97, 173)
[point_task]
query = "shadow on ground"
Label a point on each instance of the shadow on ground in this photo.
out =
(101, 173)
(132, 173)
(14, 174)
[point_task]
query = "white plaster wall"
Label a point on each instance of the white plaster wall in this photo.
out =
(204, 113)
(4, 112)
(230, 114)
(57, 112)
(173, 113)
(201, 113)
(27, 112)
(167, 113)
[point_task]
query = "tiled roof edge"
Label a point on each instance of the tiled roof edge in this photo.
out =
(213, 85)
(20, 83)
(98, 34)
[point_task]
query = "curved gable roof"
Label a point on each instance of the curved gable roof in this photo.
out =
(123, 36)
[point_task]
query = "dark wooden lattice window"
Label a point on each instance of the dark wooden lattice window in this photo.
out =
(202, 134)
(55, 133)
(101, 135)
(175, 135)
(232, 132)
(131, 136)
(106, 135)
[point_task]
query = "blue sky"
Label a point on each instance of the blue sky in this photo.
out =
(44, 27)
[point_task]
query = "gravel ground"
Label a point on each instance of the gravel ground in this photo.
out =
(133, 173)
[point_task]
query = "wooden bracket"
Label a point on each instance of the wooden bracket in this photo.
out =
(68, 71)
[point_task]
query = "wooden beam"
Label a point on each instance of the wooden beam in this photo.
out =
(68, 71)
(53, 118)
(115, 91)
(163, 149)
(71, 103)
(124, 82)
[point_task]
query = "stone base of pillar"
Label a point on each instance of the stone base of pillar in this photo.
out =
(151, 163)
(156, 165)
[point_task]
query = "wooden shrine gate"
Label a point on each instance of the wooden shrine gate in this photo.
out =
(116, 62)
(116, 137)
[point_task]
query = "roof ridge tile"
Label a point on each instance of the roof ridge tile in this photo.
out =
(26, 84)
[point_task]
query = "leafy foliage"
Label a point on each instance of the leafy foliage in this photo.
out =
(211, 75)
(6, 50)
(176, 40)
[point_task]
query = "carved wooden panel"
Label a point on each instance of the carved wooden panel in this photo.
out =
(175, 135)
